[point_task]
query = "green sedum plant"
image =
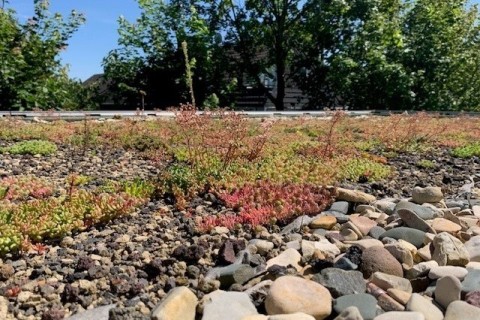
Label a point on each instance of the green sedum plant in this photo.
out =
(467, 151)
(425, 163)
(358, 169)
(138, 188)
(32, 147)
(33, 211)
(79, 180)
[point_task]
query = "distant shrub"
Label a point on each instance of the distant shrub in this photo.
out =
(32, 147)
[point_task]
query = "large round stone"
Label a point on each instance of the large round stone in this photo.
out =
(388, 281)
(450, 251)
(180, 303)
(440, 272)
(423, 212)
(473, 248)
(410, 235)
(400, 315)
(291, 294)
(427, 195)
(220, 305)
(379, 259)
(411, 219)
(421, 304)
(444, 225)
(354, 196)
(447, 290)
(323, 222)
(461, 310)
(471, 281)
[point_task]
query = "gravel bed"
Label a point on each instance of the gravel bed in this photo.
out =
(128, 267)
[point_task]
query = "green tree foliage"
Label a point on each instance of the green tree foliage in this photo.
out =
(394, 54)
(150, 56)
(267, 34)
(442, 41)
(367, 71)
(382, 54)
(31, 75)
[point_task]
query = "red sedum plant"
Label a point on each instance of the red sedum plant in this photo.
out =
(23, 188)
(264, 202)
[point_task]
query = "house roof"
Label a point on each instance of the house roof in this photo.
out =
(99, 81)
(93, 79)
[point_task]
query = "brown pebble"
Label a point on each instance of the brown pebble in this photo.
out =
(387, 303)
(399, 295)
(325, 222)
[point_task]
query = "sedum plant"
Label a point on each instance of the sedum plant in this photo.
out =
(32, 147)
(265, 202)
(358, 169)
(467, 151)
(30, 213)
(24, 188)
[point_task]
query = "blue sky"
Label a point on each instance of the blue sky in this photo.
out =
(91, 43)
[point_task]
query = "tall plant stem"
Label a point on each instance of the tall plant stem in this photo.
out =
(188, 71)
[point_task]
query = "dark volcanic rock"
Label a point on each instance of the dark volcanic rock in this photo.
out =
(473, 298)
(120, 285)
(354, 254)
(154, 268)
(84, 263)
(70, 293)
(189, 254)
(229, 250)
(53, 314)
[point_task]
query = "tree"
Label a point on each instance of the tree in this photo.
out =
(381, 54)
(329, 25)
(368, 71)
(393, 54)
(267, 35)
(150, 57)
(258, 38)
(442, 41)
(31, 75)
(352, 55)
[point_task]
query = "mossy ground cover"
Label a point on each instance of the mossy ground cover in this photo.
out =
(264, 170)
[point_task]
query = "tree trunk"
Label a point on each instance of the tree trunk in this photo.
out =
(279, 99)
(280, 60)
